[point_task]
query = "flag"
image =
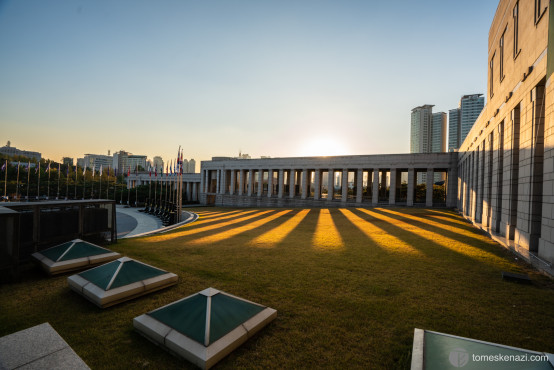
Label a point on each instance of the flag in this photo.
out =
(171, 168)
(129, 171)
(48, 167)
(37, 168)
(136, 170)
(93, 169)
(150, 171)
(115, 172)
(100, 170)
(4, 166)
(156, 171)
(85, 169)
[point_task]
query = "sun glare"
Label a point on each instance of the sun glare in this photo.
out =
(322, 146)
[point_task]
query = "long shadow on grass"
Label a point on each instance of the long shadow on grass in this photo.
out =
(221, 226)
(426, 246)
(354, 228)
(472, 241)
(419, 221)
(303, 231)
(201, 222)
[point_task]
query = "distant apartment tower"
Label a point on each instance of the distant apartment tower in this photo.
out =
(461, 120)
(420, 134)
(438, 133)
(191, 168)
(67, 161)
(157, 162)
(428, 134)
(454, 129)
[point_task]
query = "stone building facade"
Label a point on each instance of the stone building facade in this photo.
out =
(506, 162)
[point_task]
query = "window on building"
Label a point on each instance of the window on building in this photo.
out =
(516, 29)
(501, 56)
(540, 8)
(491, 76)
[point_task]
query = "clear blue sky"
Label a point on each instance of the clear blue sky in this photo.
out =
(277, 78)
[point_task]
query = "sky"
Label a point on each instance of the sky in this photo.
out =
(279, 78)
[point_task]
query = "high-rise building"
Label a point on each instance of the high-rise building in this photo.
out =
(191, 168)
(428, 134)
(420, 134)
(67, 160)
(454, 127)
(438, 133)
(461, 119)
(471, 107)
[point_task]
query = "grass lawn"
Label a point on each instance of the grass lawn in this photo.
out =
(350, 285)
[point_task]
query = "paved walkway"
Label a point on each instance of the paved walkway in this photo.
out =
(144, 222)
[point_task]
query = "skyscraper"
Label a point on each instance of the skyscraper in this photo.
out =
(471, 107)
(454, 127)
(438, 133)
(461, 119)
(428, 134)
(420, 134)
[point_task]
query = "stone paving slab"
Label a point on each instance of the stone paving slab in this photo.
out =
(38, 347)
(145, 222)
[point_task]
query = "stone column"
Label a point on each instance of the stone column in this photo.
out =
(241, 181)
(281, 184)
(233, 180)
(260, 182)
(359, 185)
(344, 186)
(250, 182)
(392, 186)
(317, 185)
(202, 182)
(188, 195)
(269, 183)
(375, 195)
(304, 183)
(411, 186)
(429, 188)
(330, 184)
(292, 183)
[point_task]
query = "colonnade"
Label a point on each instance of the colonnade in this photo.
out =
(330, 181)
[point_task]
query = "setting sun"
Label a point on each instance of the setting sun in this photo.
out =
(323, 146)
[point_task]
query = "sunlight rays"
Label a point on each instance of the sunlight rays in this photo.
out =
(274, 236)
(326, 236)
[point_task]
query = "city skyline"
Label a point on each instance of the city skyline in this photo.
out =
(273, 79)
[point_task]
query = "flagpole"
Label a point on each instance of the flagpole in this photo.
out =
(100, 191)
(58, 194)
(5, 179)
(150, 185)
(108, 186)
(67, 182)
(17, 182)
(155, 184)
(114, 182)
(84, 180)
(92, 181)
(128, 188)
(48, 183)
(28, 177)
(136, 187)
(38, 182)
(76, 177)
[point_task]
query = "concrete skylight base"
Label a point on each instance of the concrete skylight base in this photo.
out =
(119, 281)
(205, 327)
(74, 255)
